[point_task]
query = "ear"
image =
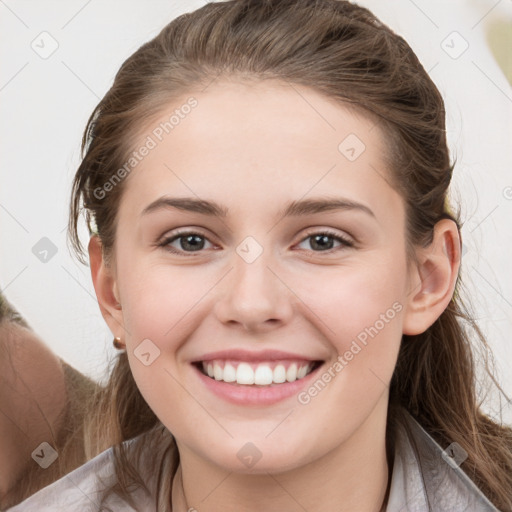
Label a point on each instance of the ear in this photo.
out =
(106, 289)
(433, 279)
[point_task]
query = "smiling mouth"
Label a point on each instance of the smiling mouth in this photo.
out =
(257, 374)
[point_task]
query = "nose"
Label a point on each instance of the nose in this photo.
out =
(254, 297)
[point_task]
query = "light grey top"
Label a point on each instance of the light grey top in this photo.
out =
(423, 479)
(427, 478)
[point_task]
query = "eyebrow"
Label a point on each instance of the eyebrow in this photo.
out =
(292, 209)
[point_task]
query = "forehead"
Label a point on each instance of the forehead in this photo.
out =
(259, 143)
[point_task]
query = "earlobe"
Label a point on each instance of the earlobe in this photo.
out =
(106, 289)
(434, 278)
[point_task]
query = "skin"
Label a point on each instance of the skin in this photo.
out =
(253, 148)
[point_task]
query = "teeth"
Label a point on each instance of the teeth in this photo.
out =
(263, 375)
(279, 374)
(259, 374)
(218, 374)
(244, 374)
(301, 372)
(229, 373)
(291, 373)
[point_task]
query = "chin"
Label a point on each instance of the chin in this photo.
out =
(259, 458)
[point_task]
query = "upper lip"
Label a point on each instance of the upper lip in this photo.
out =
(253, 356)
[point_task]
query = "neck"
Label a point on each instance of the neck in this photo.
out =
(353, 476)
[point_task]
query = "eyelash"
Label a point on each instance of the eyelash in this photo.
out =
(346, 243)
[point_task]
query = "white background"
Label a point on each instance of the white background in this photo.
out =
(45, 103)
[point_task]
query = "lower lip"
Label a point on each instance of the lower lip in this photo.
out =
(240, 394)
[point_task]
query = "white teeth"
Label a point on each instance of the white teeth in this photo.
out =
(291, 373)
(259, 374)
(279, 374)
(301, 372)
(217, 371)
(244, 374)
(263, 375)
(229, 373)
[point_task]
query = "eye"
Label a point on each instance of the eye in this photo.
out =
(190, 242)
(323, 241)
(187, 242)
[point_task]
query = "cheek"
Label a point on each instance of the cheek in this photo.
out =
(349, 300)
(361, 313)
(160, 311)
(157, 300)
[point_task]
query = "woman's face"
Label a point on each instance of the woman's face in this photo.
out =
(260, 292)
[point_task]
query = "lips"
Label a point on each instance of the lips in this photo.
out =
(262, 373)
(255, 379)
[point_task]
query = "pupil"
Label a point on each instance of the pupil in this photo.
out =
(189, 240)
(323, 239)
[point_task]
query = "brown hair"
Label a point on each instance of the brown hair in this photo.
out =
(342, 51)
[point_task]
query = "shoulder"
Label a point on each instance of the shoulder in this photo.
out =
(74, 491)
(426, 477)
(80, 489)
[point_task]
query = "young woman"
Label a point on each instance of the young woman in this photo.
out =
(271, 245)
